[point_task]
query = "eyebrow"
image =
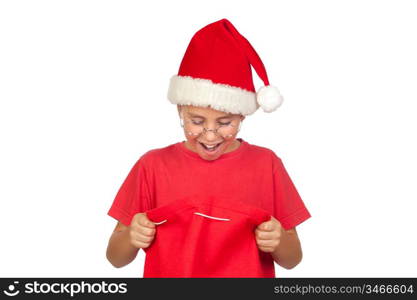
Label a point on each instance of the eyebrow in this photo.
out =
(198, 116)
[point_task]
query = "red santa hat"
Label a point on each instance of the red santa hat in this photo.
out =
(216, 71)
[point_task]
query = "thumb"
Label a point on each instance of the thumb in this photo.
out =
(265, 226)
(146, 222)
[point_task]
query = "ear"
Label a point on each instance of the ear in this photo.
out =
(242, 117)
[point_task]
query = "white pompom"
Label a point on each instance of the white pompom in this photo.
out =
(269, 98)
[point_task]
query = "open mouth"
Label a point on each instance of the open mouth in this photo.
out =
(209, 148)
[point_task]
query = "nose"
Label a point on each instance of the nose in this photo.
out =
(210, 135)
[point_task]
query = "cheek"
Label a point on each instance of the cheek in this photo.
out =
(192, 142)
(191, 139)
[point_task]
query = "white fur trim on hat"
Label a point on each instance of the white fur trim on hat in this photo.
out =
(186, 90)
(269, 98)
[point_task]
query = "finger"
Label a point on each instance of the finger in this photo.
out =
(265, 235)
(266, 226)
(142, 238)
(266, 249)
(140, 244)
(139, 219)
(265, 243)
(146, 222)
(146, 231)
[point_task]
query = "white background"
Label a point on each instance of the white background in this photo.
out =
(83, 89)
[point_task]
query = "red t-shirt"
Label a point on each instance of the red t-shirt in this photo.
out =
(251, 174)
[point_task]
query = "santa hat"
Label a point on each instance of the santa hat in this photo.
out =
(216, 71)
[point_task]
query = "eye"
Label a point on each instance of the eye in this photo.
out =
(195, 122)
(224, 124)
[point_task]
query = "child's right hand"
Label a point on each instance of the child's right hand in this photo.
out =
(142, 231)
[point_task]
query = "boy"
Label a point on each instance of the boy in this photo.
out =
(213, 92)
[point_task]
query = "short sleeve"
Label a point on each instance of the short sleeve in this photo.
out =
(133, 196)
(289, 208)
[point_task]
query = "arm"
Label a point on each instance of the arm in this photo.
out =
(283, 245)
(120, 251)
(288, 254)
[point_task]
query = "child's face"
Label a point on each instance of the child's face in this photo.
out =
(210, 119)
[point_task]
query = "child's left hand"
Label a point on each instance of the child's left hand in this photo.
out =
(268, 235)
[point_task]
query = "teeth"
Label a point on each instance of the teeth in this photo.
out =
(210, 146)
